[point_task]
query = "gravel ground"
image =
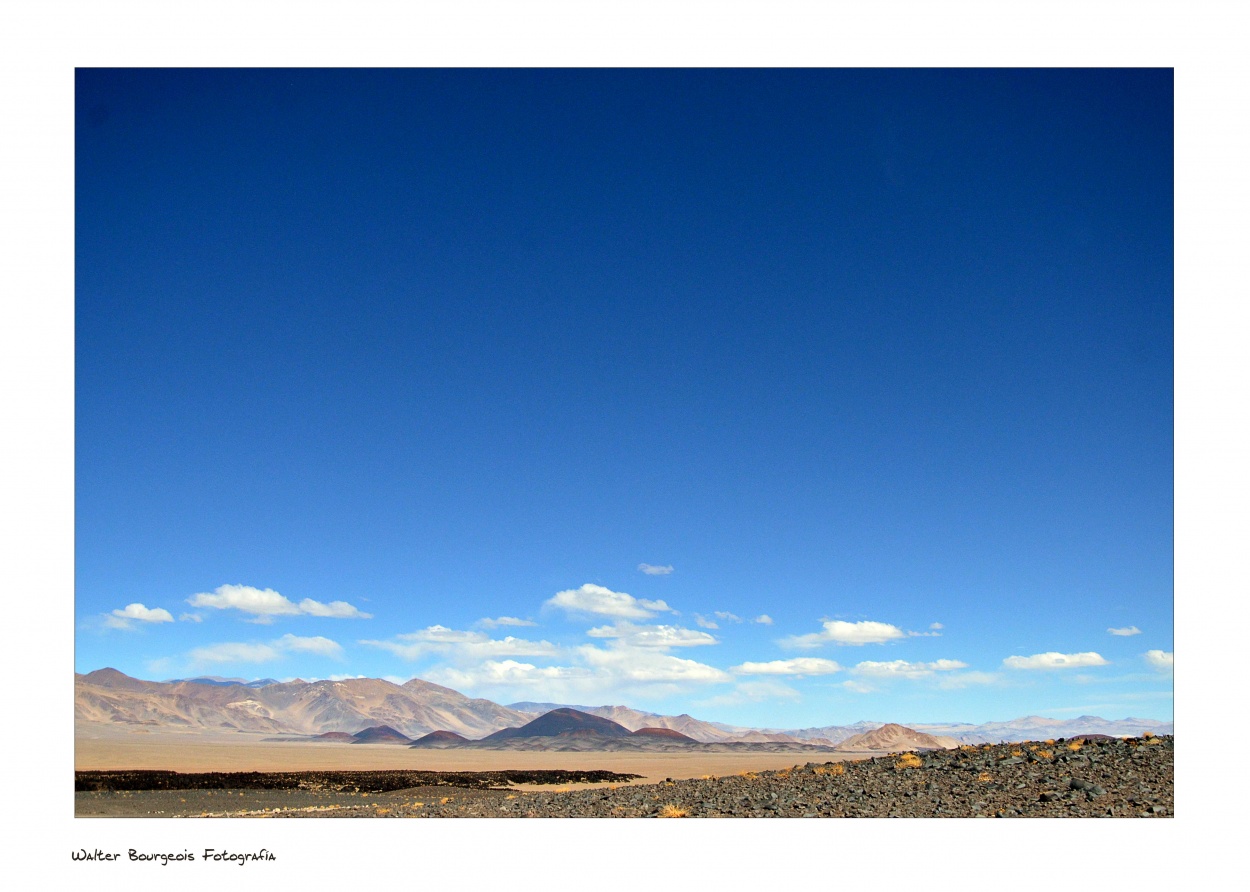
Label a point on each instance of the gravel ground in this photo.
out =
(1099, 778)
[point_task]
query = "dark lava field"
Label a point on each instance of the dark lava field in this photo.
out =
(1062, 778)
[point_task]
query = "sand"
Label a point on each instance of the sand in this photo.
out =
(99, 747)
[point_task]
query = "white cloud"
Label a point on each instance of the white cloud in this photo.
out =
(653, 570)
(505, 621)
(462, 645)
(763, 619)
(314, 645)
(652, 636)
(1127, 630)
(190, 618)
(904, 669)
(705, 623)
(265, 604)
(592, 598)
(506, 673)
(648, 665)
(727, 616)
(234, 653)
(336, 609)
(936, 627)
(797, 666)
(143, 614)
(1052, 660)
(254, 652)
(1160, 659)
(839, 632)
(858, 687)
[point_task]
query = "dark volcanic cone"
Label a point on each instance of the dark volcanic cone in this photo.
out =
(440, 740)
(664, 734)
(380, 734)
(564, 721)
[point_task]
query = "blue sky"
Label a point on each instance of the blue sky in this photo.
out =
(420, 373)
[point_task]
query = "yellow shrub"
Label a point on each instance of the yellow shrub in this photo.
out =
(1046, 754)
(673, 811)
(837, 769)
(1154, 740)
(908, 760)
(1075, 746)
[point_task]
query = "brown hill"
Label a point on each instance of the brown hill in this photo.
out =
(563, 722)
(894, 739)
(664, 734)
(337, 736)
(380, 734)
(440, 740)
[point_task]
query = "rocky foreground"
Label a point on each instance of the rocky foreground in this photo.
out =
(1062, 778)
(1097, 778)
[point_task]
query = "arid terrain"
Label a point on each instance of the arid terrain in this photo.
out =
(1099, 777)
(367, 747)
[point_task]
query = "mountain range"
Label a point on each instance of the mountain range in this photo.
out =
(417, 708)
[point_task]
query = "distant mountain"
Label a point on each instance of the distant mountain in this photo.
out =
(218, 680)
(298, 707)
(892, 738)
(419, 707)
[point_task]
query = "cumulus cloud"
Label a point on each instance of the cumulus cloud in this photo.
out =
(464, 645)
(705, 623)
(652, 636)
(936, 627)
(858, 687)
(254, 652)
(132, 613)
(653, 570)
(1160, 659)
(312, 645)
(190, 618)
(505, 621)
(798, 666)
(839, 632)
(596, 599)
(265, 604)
(763, 619)
(1052, 660)
(1127, 630)
(727, 616)
(904, 669)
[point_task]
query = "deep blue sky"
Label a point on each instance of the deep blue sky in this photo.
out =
(888, 347)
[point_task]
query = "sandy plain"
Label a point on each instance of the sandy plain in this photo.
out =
(100, 747)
